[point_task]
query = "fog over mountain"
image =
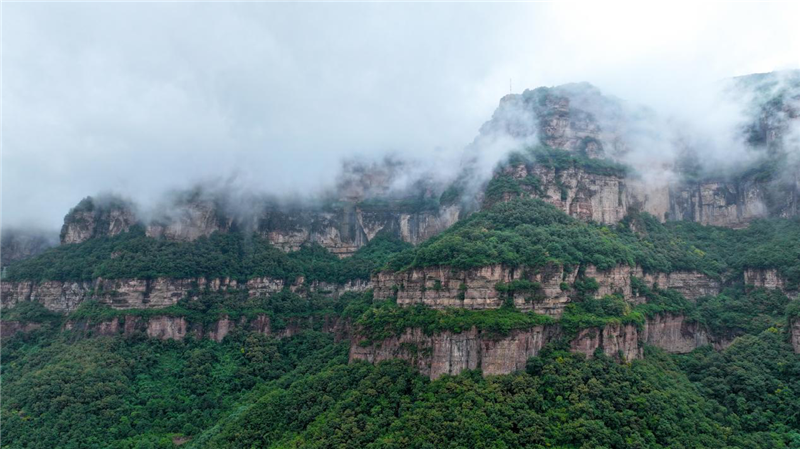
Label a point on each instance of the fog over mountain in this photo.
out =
(141, 99)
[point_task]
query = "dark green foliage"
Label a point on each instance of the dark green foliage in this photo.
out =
(501, 186)
(532, 233)
(757, 380)
(767, 243)
(31, 312)
(111, 392)
(565, 401)
(596, 313)
(387, 319)
(561, 160)
(234, 255)
(735, 311)
(517, 285)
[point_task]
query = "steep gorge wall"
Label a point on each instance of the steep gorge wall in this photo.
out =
(342, 229)
(794, 333)
(157, 293)
(440, 287)
(769, 278)
(178, 328)
(608, 198)
(451, 353)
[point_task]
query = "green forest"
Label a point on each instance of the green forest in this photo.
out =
(77, 389)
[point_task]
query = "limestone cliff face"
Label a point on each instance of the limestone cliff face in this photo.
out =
(190, 219)
(730, 204)
(674, 334)
(586, 196)
(578, 119)
(794, 333)
(451, 353)
(441, 287)
(166, 327)
(345, 229)
(620, 341)
(448, 353)
(104, 216)
(341, 227)
(147, 294)
(768, 278)
(607, 198)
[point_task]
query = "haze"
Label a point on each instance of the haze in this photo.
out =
(141, 98)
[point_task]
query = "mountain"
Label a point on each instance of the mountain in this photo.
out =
(572, 295)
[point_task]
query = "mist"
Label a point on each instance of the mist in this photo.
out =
(285, 100)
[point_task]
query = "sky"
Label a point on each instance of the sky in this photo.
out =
(140, 98)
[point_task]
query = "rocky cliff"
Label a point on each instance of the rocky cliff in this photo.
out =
(95, 217)
(441, 287)
(451, 353)
(769, 278)
(794, 333)
(579, 120)
(341, 227)
(167, 327)
(146, 294)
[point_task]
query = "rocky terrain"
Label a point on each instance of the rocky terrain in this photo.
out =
(123, 294)
(441, 287)
(452, 353)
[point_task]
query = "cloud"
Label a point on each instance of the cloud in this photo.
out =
(143, 98)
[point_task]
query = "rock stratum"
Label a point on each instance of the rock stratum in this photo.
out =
(440, 287)
(451, 353)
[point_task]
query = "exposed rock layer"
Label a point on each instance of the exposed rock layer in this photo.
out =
(167, 327)
(451, 353)
(440, 287)
(146, 294)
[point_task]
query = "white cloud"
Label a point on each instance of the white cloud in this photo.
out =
(138, 98)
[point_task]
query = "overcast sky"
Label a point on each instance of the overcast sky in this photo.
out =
(139, 98)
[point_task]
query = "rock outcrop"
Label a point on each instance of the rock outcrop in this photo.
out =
(578, 119)
(620, 341)
(448, 353)
(178, 328)
(451, 353)
(441, 287)
(345, 229)
(769, 278)
(794, 333)
(96, 217)
(146, 293)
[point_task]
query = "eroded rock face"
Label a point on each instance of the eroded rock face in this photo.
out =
(767, 278)
(730, 204)
(147, 294)
(166, 327)
(674, 334)
(620, 341)
(451, 353)
(97, 217)
(440, 287)
(346, 229)
(794, 333)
